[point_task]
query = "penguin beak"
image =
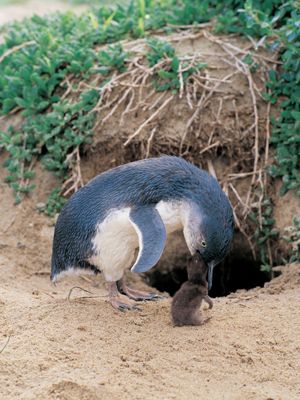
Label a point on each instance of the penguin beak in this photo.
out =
(211, 266)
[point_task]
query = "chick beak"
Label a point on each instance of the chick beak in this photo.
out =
(211, 266)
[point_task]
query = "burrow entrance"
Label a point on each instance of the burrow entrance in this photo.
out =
(238, 271)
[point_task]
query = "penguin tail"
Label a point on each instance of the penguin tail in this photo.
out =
(58, 269)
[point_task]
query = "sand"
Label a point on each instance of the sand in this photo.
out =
(82, 348)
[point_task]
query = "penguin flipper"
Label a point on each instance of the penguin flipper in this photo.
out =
(152, 236)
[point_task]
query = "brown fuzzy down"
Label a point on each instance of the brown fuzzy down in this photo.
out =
(197, 271)
(185, 308)
(186, 304)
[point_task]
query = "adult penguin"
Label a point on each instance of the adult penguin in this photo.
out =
(137, 205)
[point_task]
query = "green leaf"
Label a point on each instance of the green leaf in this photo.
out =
(21, 102)
(296, 115)
(175, 64)
(165, 74)
(8, 105)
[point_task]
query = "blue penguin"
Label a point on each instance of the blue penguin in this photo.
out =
(135, 206)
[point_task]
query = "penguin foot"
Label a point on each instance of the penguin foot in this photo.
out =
(137, 295)
(122, 303)
(119, 301)
(142, 296)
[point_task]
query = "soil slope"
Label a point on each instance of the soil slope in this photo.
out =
(83, 349)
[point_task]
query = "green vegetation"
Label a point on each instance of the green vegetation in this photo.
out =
(292, 237)
(40, 53)
(166, 77)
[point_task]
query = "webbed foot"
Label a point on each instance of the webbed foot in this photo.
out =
(119, 301)
(137, 295)
(122, 303)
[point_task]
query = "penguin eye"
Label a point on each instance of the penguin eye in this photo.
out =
(203, 243)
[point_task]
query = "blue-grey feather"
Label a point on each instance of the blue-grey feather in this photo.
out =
(153, 236)
(136, 184)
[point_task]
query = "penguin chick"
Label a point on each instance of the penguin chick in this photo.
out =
(186, 303)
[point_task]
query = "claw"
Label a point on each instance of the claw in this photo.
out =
(155, 297)
(137, 295)
(121, 303)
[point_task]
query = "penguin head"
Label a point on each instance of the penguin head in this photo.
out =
(209, 236)
(213, 244)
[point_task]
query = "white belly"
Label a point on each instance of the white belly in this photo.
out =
(114, 244)
(116, 239)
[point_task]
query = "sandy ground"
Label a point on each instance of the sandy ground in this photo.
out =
(82, 349)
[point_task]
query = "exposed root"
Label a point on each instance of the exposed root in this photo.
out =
(165, 103)
(149, 141)
(75, 181)
(84, 290)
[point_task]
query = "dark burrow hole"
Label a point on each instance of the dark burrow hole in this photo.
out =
(236, 272)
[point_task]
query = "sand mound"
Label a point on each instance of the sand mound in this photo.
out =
(83, 349)
(289, 279)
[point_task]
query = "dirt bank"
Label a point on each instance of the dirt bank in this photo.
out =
(83, 349)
